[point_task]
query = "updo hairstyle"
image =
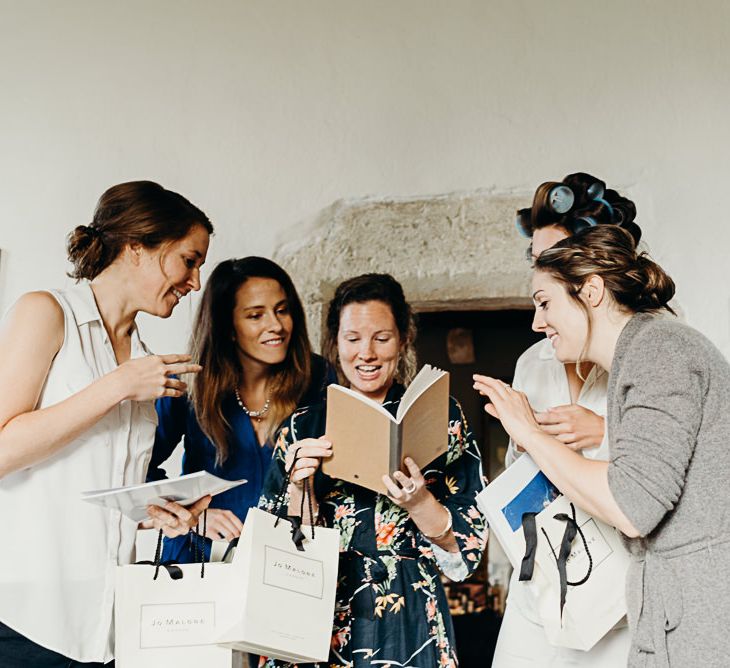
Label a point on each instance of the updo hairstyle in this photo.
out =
(580, 201)
(635, 281)
(379, 288)
(140, 212)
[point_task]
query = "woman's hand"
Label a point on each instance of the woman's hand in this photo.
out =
(150, 377)
(174, 519)
(510, 407)
(407, 491)
(309, 453)
(222, 524)
(410, 493)
(574, 425)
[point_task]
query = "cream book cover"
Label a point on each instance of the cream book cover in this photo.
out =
(368, 442)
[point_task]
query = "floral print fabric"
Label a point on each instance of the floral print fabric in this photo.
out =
(391, 609)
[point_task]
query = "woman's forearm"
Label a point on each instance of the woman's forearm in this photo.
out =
(583, 481)
(432, 518)
(32, 437)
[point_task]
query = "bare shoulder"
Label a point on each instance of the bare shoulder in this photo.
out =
(35, 315)
(31, 334)
(39, 303)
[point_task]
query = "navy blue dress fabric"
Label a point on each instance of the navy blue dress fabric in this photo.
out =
(247, 459)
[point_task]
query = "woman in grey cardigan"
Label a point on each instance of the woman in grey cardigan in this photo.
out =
(665, 486)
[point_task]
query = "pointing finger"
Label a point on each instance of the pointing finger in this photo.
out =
(174, 358)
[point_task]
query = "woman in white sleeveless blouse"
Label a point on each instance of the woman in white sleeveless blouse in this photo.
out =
(77, 391)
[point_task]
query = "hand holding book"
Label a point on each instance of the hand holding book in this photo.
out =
(406, 492)
(410, 493)
(369, 442)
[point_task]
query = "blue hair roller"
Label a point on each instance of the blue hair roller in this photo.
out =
(561, 199)
(519, 224)
(596, 192)
(583, 223)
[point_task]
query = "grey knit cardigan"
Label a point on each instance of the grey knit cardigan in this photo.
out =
(669, 471)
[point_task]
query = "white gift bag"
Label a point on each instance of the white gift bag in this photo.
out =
(592, 608)
(287, 608)
(595, 575)
(166, 622)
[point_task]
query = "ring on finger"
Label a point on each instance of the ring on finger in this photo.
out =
(411, 488)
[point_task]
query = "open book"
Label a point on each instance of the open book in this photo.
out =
(133, 500)
(368, 442)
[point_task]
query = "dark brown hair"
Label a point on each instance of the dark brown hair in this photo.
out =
(593, 205)
(379, 288)
(635, 282)
(140, 212)
(213, 346)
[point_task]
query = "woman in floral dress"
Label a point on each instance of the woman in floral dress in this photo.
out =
(391, 607)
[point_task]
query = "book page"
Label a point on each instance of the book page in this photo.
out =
(426, 377)
(425, 425)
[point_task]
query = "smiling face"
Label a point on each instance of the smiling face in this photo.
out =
(171, 271)
(559, 317)
(368, 345)
(262, 322)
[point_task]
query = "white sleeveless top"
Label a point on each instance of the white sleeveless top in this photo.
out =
(59, 554)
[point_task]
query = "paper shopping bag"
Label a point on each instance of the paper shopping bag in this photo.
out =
(593, 582)
(288, 590)
(522, 498)
(173, 622)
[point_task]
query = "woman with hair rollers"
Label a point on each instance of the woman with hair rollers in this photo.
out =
(664, 486)
(570, 404)
(77, 413)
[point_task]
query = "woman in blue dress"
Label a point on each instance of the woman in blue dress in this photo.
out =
(250, 337)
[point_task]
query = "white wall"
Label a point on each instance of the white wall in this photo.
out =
(265, 112)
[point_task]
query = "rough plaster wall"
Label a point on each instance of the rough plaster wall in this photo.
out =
(452, 248)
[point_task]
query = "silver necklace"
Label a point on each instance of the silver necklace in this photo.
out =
(256, 415)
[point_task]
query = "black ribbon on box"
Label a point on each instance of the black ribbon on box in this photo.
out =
(572, 529)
